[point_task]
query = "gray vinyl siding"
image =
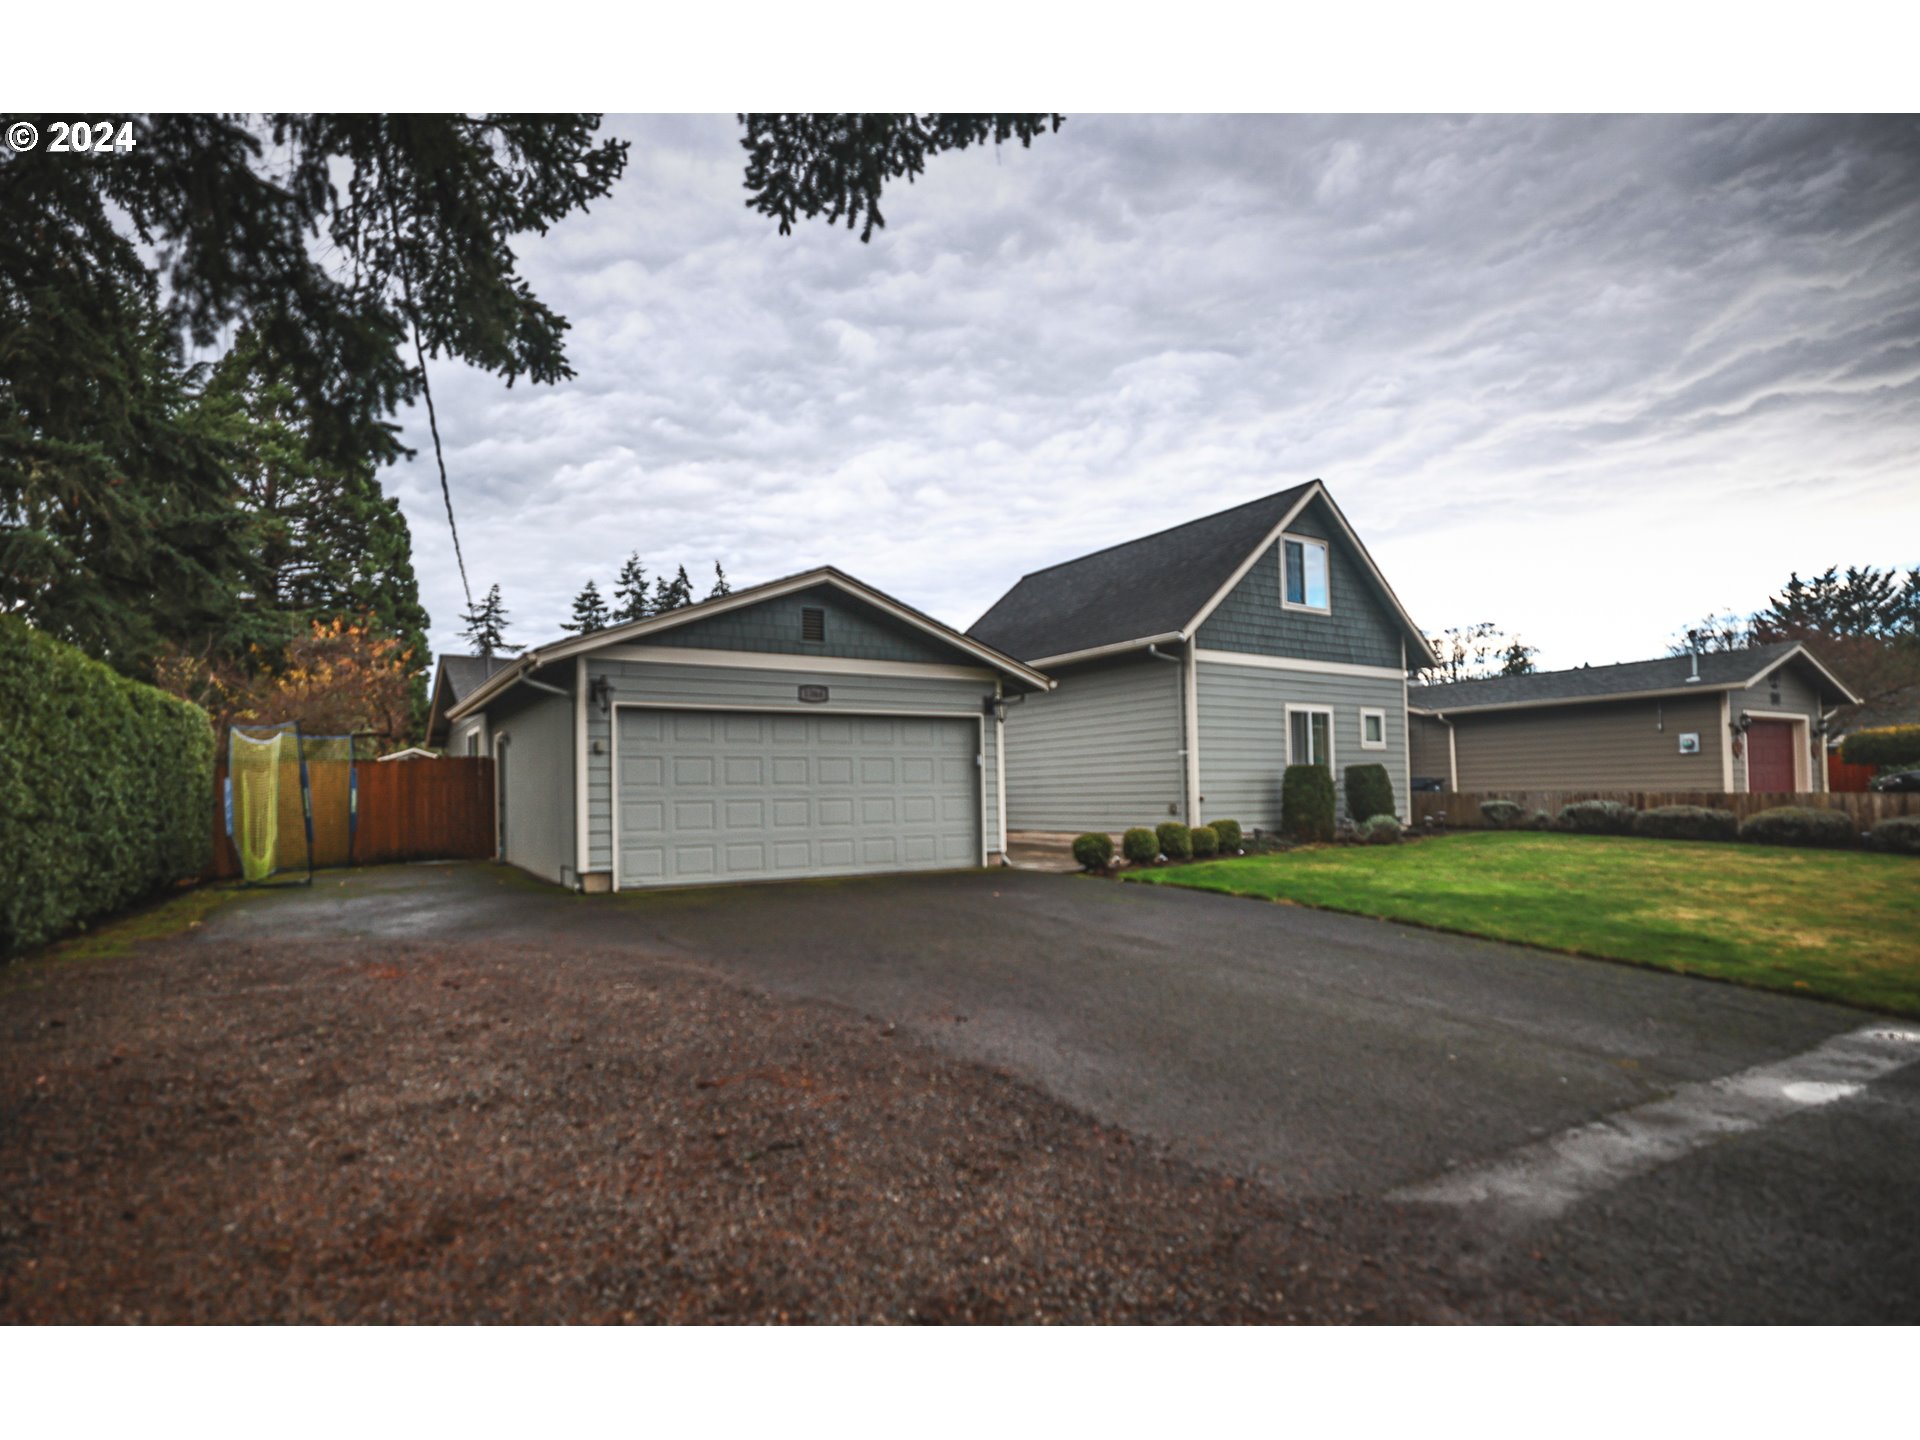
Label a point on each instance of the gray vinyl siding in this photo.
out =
(1101, 752)
(1243, 735)
(1614, 744)
(539, 780)
(1429, 736)
(457, 736)
(1359, 630)
(696, 687)
(772, 627)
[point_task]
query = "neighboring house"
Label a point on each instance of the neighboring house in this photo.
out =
(1750, 720)
(412, 752)
(808, 726)
(1191, 666)
(456, 677)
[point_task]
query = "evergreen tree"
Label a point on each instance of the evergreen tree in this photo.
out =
(631, 598)
(720, 585)
(1517, 658)
(589, 611)
(487, 626)
(673, 594)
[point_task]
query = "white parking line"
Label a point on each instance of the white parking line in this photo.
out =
(1541, 1180)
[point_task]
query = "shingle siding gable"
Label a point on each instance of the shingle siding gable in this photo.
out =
(773, 628)
(1360, 630)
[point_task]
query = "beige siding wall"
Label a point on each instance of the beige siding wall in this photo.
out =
(1429, 747)
(1622, 744)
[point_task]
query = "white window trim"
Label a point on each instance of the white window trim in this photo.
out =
(1332, 744)
(1381, 743)
(1325, 549)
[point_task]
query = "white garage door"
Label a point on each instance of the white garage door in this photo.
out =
(714, 795)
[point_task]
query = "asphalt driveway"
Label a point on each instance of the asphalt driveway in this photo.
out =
(1325, 1055)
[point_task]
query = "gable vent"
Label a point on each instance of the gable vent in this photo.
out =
(813, 624)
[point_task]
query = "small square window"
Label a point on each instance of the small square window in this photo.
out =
(813, 625)
(1303, 573)
(1373, 729)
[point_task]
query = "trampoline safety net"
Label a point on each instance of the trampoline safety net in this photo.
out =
(292, 802)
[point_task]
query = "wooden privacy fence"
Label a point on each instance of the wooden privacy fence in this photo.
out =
(1463, 810)
(409, 810)
(1844, 777)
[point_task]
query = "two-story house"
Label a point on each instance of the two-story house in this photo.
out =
(1192, 666)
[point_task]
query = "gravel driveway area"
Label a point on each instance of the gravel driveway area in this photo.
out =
(446, 1092)
(242, 1130)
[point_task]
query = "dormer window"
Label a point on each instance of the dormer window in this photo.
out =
(1303, 573)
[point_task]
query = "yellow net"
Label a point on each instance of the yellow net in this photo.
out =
(253, 768)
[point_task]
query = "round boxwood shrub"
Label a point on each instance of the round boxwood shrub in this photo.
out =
(1799, 825)
(1369, 791)
(1687, 822)
(1140, 845)
(1306, 803)
(1205, 841)
(1176, 841)
(1229, 833)
(1502, 814)
(1380, 830)
(1898, 836)
(1093, 850)
(1598, 817)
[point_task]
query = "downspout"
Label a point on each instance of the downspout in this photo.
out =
(580, 771)
(1000, 764)
(1189, 723)
(1453, 756)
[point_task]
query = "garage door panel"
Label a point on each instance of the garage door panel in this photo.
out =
(722, 795)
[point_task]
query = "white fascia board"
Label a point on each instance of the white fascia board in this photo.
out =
(1240, 571)
(1800, 652)
(752, 595)
(1120, 647)
(1459, 712)
(1289, 662)
(797, 664)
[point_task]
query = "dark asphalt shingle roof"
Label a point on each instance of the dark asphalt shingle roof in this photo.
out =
(1150, 586)
(1597, 682)
(465, 672)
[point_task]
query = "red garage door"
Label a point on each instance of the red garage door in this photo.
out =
(1770, 757)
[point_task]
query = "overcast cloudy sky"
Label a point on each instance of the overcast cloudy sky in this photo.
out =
(1589, 379)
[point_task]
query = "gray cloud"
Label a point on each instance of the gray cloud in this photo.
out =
(1586, 377)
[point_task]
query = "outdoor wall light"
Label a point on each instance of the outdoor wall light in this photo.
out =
(601, 690)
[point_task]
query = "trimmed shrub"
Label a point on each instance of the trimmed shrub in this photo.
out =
(1093, 850)
(1369, 791)
(1306, 803)
(1205, 840)
(1598, 817)
(1687, 822)
(106, 788)
(1898, 836)
(1502, 814)
(1539, 820)
(1799, 825)
(1380, 830)
(1176, 841)
(1140, 845)
(1229, 833)
(1888, 746)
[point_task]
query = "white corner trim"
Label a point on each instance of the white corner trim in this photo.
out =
(1406, 737)
(796, 664)
(1000, 767)
(1726, 741)
(1190, 721)
(582, 852)
(1310, 667)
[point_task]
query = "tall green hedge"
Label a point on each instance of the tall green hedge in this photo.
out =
(106, 788)
(1306, 802)
(1369, 792)
(1887, 746)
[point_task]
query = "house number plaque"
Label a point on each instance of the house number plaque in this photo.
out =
(813, 694)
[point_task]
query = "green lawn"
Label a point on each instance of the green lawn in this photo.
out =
(1834, 924)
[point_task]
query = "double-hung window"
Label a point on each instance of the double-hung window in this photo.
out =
(1309, 736)
(1303, 573)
